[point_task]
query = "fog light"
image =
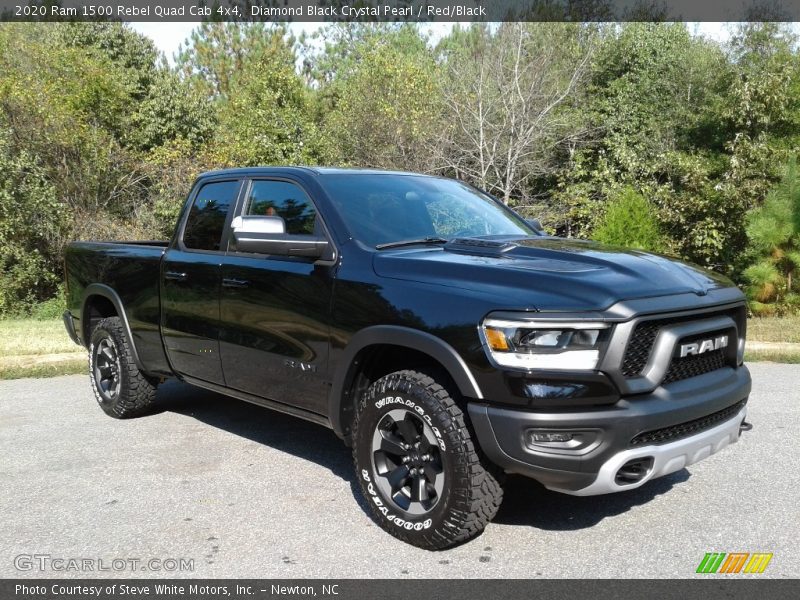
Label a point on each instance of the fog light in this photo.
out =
(550, 436)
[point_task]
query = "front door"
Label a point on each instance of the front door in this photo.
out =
(190, 283)
(274, 310)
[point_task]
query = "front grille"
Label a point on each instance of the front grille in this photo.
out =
(692, 366)
(638, 351)
(683, 430)
(643, 338)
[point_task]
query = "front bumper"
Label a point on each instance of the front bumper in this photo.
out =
(663, 459)
(602, 444)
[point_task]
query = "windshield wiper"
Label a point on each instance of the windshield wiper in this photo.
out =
(427, 240)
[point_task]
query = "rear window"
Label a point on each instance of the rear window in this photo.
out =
(206, 220)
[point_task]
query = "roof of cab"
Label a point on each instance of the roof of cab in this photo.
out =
(318, 171)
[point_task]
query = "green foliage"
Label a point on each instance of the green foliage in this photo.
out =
(101, 138)
(173, 167)
(697, 127)
(30, 220)
(50, 309)
(383, 101)
(629, 221)
(773, 231)
(133, 53)
(82, 109)
(172, 110)
(651, 102)
(267, 120)
(217, 53)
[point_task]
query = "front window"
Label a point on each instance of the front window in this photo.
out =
(285, 200)
(382, 209)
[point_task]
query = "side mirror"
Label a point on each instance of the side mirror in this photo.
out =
(536, 225)
(267, 235)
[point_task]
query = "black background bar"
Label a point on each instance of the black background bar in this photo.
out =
(401, 10)
(710, 587)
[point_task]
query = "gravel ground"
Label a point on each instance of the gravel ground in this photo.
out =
(246, 492)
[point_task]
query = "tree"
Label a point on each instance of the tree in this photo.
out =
(761, 109)
(31, 219)
(172, 110)
(118, 43)
(654, 106)
(82, 107)
(773, 232)
(629, 221)
(217, 53)
(267, 120)
(505, 95)
(384, 106)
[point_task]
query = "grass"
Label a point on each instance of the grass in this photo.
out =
(28, 347)
(774, 329)
(778, 356)
(32, 348)
(70, 367)
(27, 336)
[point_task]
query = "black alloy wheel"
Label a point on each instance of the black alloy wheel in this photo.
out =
(420, 469)
(120, 388)
(107, 369)
(406, 459)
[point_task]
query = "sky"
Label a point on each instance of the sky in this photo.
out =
(168, 36)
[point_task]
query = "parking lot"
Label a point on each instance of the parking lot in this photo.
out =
(241, 491)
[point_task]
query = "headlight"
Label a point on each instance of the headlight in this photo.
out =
(545, 345)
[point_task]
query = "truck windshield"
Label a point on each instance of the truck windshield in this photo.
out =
(383, 209)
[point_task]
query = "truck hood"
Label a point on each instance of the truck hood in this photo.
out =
(547, 273)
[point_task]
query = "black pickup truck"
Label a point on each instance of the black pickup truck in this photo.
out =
(444, 338)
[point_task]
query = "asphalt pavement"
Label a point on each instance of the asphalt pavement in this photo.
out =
(235, 490)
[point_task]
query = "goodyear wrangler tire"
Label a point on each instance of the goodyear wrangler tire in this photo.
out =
(120, 389)
(419, 468)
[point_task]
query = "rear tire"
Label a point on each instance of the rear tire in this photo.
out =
(119, 387)
(422, 474)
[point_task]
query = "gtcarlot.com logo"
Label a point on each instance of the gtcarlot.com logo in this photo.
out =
(734, 562)
(48, 562)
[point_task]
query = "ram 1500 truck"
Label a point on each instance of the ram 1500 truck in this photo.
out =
(443, 337)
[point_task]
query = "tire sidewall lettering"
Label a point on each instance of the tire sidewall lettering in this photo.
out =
(410, 404)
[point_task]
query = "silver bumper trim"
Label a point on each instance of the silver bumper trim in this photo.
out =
(667, 458)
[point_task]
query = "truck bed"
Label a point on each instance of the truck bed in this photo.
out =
(127, 272)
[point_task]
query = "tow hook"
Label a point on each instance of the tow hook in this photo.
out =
(745, 426)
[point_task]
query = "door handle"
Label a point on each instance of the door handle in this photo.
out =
(235, 283)
(176, 276)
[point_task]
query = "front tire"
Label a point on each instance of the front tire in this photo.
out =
(421, 472)
(119, 387)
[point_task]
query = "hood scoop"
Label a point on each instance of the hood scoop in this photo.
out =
(479, 247)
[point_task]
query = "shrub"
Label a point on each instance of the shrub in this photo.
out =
(629, 221)
(773, 232)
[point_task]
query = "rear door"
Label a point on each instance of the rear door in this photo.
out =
(274, 310)
(190, 282)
